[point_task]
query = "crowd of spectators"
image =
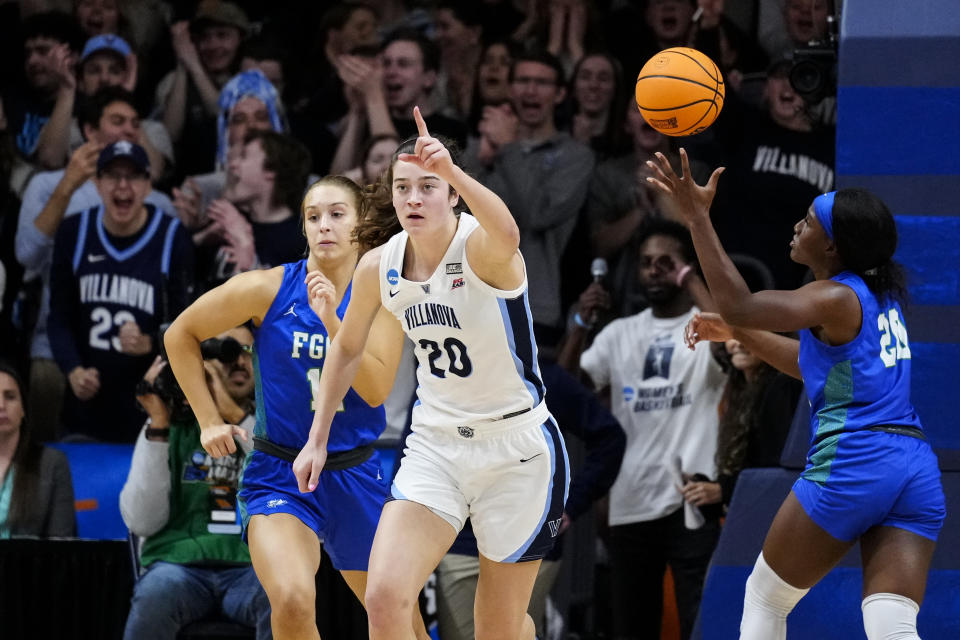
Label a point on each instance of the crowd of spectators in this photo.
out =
(151, 149)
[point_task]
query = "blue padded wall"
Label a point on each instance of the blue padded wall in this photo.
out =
(898, 134)
(98, 471)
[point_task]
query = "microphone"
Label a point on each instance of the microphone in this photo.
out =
(598, 269)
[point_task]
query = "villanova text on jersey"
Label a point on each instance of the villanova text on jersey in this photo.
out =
(117, 289)
(474, 343)
(798, 165)
(427, 313)
(118, 285)
(99, 283)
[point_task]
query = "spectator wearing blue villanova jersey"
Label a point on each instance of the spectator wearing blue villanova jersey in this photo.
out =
(296, 310)
(871, 476)
(119, 271)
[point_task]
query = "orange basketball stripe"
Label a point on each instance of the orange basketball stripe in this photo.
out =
(683, 52)
(89, 504)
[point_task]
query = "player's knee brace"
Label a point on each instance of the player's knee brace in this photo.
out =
(766, 603)
(887, 616)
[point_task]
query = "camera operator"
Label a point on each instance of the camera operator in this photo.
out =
(806, 32)
(814, 74)
(184, 502)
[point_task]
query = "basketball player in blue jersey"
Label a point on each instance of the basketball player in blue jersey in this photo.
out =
(483, 444)
(296, 310)
(871, 475)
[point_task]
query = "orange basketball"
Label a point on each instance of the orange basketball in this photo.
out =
(680, 91)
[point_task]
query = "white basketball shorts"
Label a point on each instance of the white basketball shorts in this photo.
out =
(511, 482)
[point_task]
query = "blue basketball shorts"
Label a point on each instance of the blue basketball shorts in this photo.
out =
(343, 510)
(864, 479)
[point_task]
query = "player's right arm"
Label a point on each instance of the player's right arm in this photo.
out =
(246, 296)
(340, 367)
(493, 249)
(832, 306)
(780, 352)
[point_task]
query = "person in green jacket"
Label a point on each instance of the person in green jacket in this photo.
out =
(184, 503)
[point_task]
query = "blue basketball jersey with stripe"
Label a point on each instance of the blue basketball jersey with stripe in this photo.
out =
(865, 382)
(121, 285)
(290, 348)
(474, 343)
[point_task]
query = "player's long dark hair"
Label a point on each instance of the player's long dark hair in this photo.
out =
(25, 464)
(739, 419)
(866, 238)
(380, 221)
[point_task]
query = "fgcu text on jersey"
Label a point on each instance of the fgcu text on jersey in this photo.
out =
(290, 349)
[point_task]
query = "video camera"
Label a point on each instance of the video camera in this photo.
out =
(814, 72)
(165, 385)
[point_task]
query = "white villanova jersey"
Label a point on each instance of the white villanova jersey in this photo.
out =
(474, 343)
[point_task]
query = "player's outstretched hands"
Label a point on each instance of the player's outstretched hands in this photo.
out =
(706, 326)
(309, 464)
(691, 200)
(429, 153)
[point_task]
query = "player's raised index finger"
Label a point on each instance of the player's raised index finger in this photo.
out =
(421, 125)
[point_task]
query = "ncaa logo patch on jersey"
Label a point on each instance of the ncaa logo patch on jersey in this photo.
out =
(393, 276)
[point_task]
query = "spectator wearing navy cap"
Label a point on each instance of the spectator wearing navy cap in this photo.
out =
(120, 269)
(51, 196)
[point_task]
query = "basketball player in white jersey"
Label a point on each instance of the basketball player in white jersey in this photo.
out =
(483, 445)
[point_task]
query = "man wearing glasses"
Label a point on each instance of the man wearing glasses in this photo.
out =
(119, 270)
(50, 197)
(542, 174)
(184, 502)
